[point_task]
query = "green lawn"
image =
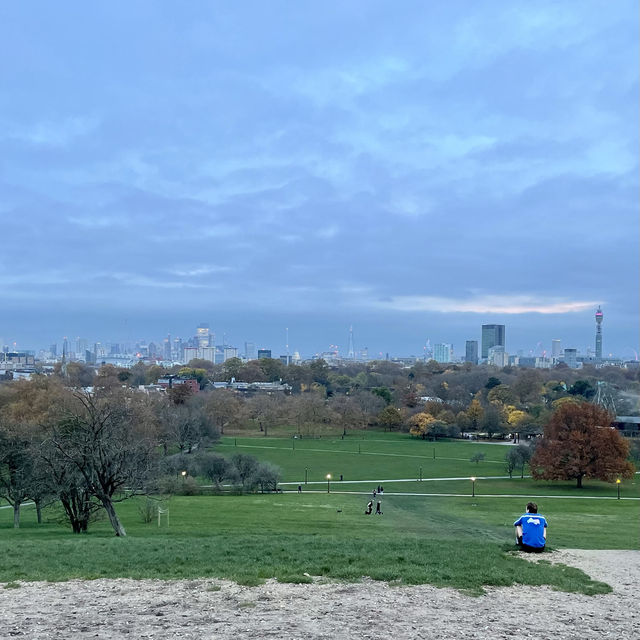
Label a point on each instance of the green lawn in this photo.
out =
(442, 541)
(458, 541)
(383, 457)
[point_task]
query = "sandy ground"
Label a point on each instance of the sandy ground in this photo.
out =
(207, 609)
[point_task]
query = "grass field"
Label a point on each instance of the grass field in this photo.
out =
(458, 541)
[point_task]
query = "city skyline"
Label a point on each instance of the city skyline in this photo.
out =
(413, 173)
(204, 335)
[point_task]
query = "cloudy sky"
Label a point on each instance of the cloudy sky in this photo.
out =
(413, 170)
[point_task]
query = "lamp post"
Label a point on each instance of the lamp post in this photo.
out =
(328, 483)
(618, 481)
(306, 474)
(184, 475)
(420, 474)
(473, 487)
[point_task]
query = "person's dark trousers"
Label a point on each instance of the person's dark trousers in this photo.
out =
(526, 547)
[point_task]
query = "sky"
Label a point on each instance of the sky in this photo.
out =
(413, 170)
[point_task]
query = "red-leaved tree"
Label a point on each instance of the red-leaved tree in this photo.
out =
(578, 442)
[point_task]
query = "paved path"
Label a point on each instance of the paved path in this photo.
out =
(357, 453)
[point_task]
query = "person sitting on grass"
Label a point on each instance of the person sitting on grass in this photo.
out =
(531, 529)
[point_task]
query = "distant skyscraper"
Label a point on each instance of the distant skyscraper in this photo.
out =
(202, 334)
(189, 353)
(81, 346)
(492, 336)
(228, 353)
(351, 354)
(571, 358)
(599, 317)
(556, 348)
(471, 351)
(166, 348)
(176, 349)
(207, 353)
(442, 352)
(250, 352)
(264, 353)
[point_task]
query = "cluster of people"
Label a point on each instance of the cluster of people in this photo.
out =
(369, 509)
(379, 490)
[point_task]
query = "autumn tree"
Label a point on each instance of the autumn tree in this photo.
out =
(421, 424)
(475, 413)
(225, 408)
(578, 442)
(265, 410)
(390, 418)
(347, 411)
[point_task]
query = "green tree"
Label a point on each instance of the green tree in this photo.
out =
(199, 374)
(272, 369)
(232, 368)
(502, 393)
(582, 388)
(383, 393)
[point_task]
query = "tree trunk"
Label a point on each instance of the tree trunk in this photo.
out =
(16, 515)
(579, 482)
(38, 511)
(113, 516)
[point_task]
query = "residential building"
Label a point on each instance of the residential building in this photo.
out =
(442, 352)
(497, 356)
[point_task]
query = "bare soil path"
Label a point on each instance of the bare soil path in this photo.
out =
(218, 609)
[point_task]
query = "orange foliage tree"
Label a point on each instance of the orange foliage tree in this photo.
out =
(578, 442)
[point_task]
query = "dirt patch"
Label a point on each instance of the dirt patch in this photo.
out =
(207, 609)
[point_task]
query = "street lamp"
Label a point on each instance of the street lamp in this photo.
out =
(328, 483)
(618, 481)
(473, 487)
(184, 475)
(306, 474)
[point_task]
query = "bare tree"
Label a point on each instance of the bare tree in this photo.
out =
(102, 439)
(16, 472)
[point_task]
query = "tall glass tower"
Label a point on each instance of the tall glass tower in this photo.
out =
(599, 317)
(492, 336)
